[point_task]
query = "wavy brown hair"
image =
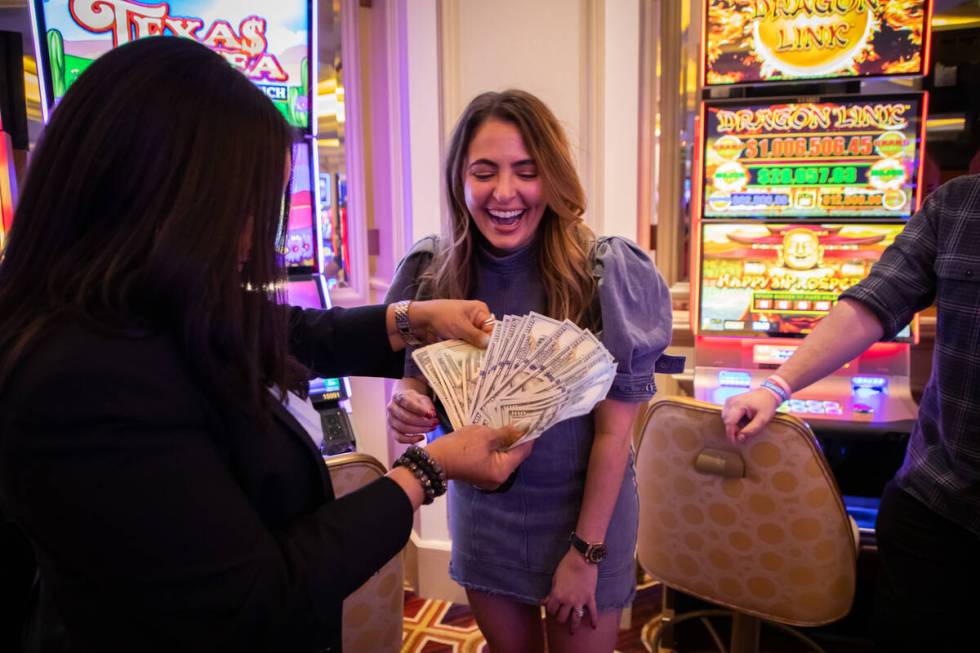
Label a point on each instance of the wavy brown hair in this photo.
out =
(566, 242)
(154, 165)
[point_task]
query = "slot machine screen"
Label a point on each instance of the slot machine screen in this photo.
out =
(268, 41)
(779, 280)
(756, 41)
(308, 293)
(825, 158)
(8, 187)
(301, 246)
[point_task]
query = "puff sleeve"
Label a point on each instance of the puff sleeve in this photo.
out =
(636, 316)
(406, 281)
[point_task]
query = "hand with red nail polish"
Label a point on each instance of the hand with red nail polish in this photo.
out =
(411, 413)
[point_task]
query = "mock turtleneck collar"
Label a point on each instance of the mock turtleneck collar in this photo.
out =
(520, 260)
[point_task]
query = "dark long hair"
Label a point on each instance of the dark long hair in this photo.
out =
(154, 165)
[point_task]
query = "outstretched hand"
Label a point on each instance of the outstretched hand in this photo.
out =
(479, 455)
(444, 319)
(745, 415)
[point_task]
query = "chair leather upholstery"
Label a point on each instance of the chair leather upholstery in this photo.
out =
(776, 543)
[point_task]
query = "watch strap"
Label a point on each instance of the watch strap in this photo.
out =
(593, 552)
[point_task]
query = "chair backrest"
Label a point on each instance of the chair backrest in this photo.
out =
(759, 527)
(373, 613)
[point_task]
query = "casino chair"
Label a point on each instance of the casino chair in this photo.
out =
(759, 528)
(373, 613)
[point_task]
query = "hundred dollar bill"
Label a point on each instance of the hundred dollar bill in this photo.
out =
(535, 372)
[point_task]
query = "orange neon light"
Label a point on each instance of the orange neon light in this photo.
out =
(927, 46)
(702, 60)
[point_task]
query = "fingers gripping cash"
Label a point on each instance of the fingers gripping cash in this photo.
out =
(535, 372)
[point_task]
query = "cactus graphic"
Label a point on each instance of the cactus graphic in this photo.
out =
(304, 76)
(56, 54)
(299, 98)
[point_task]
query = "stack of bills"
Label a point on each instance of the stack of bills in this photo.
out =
(535, 372)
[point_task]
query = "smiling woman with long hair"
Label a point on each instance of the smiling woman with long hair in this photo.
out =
(563, 533)
(148, 369)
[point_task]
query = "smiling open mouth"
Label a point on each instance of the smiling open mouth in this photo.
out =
(506, 218)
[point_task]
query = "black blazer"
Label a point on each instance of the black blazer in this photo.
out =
(163, 521)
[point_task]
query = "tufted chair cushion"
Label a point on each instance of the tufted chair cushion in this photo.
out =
(775, 543)
(373, 613)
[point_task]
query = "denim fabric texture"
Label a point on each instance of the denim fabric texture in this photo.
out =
(509, 543)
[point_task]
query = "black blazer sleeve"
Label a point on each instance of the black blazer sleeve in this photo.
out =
(344, 342)
(113, 467)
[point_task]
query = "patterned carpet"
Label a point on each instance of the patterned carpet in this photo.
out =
(433, 626)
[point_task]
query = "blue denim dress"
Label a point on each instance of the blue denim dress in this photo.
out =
(509, 543)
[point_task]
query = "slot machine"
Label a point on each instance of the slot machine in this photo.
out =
(273, 43)
(13, 126)
(330, 396)
(8, 187)
(801, 180)
(308, 288)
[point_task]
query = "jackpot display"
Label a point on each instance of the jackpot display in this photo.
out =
(753, 41)
(781, 279)
(267, 40)
(829, 157)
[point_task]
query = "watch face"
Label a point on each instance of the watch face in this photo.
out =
(597, 553)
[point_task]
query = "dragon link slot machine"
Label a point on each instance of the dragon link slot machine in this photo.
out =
(273, 43)
(808, 163)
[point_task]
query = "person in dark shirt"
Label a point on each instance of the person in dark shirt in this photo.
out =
(171, 500)
(928, 528)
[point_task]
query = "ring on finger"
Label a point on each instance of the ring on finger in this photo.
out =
(578, 612)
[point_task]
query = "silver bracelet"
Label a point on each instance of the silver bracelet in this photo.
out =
(402, 324)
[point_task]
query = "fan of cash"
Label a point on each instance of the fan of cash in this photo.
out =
(535, 372)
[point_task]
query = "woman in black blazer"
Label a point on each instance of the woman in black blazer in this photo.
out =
(172, 501)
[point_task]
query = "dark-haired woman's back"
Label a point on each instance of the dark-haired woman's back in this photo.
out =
(108, 440)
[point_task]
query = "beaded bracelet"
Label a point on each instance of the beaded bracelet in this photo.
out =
(429, 473)
(431, 466)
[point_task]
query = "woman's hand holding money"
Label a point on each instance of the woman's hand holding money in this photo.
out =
(411, 413)
(438, 319)
(445, 319)
(478, 454)
(474, 454)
